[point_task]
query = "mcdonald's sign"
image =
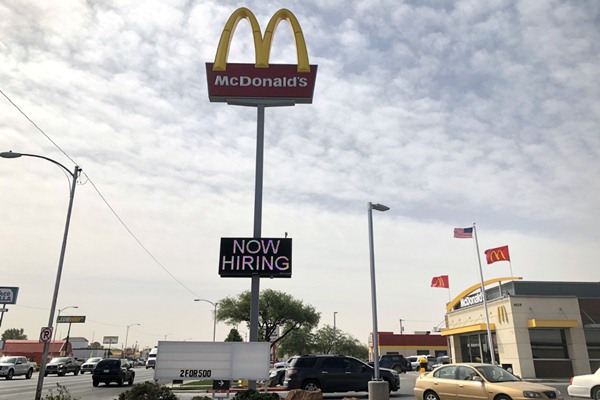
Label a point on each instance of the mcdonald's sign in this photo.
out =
(502, 314)
(261, 80)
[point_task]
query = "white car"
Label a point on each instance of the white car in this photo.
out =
(587, 386)
(90, 364)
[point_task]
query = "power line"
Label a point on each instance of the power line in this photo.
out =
(112, 210)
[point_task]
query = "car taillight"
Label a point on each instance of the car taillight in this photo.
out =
(571, 381)
(290, 372)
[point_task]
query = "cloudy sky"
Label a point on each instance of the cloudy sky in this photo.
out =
(450, 113)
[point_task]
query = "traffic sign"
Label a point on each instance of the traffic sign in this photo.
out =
(221, 384)
(45, 334)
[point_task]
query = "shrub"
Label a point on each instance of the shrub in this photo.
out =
(148, 391)
(251, 394)
(63, 394)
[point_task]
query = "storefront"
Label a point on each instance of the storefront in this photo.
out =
(538, 329)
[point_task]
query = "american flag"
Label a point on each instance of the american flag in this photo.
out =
(463, 233)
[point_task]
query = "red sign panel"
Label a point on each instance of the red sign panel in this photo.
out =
(245, 81)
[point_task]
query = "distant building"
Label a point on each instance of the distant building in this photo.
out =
(33, 349)
(410, 344)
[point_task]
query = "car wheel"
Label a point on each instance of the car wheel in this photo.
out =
(503, 397)
(281, 379)
(130, 381)
(120, 382)
(431, 395)
(311, 386)
(95, 383)
(29, 374)
(389, 385)
(82, 372)
(596, 393)
(75, 373)
(10, 374)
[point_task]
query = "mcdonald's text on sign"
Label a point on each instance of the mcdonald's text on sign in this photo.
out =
(231, 81)
(244, 257)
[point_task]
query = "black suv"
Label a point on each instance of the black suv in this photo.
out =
(333, 373)
(113, 370)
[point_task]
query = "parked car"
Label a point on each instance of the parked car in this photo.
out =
(276, 377)
(16, 365)
(587, 386)
(441, 361)
(334, 373)
(416, 364)
(90, 364)
(396, 362)
(113, 370)
(62, 366)
(478, 381)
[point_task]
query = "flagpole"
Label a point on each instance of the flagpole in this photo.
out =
(510, 265)
(487, 316)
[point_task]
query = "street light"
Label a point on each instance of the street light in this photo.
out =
(127, 336)
(214, 316)
(74, 175)
(334, 334)
(58, 317)
(371, 207)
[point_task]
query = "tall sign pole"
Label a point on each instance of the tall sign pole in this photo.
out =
(260, 85)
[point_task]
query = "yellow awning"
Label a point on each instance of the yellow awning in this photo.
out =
(466, 329)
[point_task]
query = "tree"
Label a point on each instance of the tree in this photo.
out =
(344, 343)
(234, 336)
(275, 310)
(300, 341)
(14, 334)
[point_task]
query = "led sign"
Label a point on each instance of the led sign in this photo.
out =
(244, 257)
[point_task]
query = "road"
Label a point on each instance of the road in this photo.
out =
(80, 387)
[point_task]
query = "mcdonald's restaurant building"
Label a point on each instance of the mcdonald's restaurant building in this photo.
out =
(538, 329)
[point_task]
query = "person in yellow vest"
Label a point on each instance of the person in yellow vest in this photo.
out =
(423, 363)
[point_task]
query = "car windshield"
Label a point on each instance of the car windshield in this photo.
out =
(496, 374)
(93, 360)
(59, 360)
(10, 360)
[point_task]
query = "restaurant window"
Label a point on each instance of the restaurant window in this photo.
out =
(548, 344)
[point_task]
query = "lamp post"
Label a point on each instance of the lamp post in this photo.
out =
(127, 336)
(334, 334)
(57, 318)
(371, 207)
(214, 315)
(74, 175)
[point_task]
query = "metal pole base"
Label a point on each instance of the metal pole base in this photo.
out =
(379, 390)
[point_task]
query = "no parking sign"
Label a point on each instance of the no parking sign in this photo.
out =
(45, 334)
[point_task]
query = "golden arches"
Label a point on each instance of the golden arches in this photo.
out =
(467, 291)
(262, 44)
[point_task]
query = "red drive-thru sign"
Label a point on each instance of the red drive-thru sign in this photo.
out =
(230, 82)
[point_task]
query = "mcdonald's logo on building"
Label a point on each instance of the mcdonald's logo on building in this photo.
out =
(502, 314)
(261, 80)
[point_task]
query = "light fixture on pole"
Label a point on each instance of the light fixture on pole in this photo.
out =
(334, 334)
(74, 175)
(214, 315)
(57, 318)
(371, 207)
(127, 336)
